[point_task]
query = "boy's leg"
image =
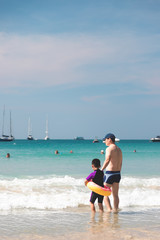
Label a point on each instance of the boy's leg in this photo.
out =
(100, 202)
(92, 200)
(92, 207)
(100, 207)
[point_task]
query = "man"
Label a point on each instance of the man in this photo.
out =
(113, 164)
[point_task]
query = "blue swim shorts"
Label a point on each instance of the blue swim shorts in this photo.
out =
(112, 176)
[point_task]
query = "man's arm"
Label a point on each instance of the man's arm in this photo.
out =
(107, 160)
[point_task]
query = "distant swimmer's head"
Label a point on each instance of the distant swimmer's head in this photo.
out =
(102, 151)
(109, 136)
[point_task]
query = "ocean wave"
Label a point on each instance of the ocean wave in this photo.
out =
(55, 192)
(143, 192)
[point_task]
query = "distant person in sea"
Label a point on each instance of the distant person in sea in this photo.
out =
(96, 177)
(71, 151)
(56, 152)
(113, 165)
(8, 155)
(134, 150)
(102, 151)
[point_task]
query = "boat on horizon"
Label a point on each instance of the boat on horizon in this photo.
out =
(117, 139)
(30, 137)
(156, 139)
(78, 138)
(4, 137)
(95, 140)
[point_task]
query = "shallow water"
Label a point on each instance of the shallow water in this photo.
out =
(62, 223)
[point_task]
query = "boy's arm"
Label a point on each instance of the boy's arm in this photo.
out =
(89, 178)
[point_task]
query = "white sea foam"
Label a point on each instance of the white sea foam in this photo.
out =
(62, 192)
(140, 192)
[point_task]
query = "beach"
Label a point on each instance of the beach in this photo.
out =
(42, 195)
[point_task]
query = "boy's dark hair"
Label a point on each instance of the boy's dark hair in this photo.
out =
(96, 162)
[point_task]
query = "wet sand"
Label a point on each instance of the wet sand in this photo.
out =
(125, 225)
(98, 233)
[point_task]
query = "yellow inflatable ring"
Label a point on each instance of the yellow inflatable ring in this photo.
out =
(104, 191)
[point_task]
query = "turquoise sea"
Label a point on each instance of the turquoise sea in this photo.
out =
(43, 194)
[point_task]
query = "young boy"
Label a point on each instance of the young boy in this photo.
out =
(96, 177)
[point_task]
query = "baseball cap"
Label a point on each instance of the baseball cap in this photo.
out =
(109, 135)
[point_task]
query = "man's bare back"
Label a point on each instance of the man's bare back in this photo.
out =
(114, 154)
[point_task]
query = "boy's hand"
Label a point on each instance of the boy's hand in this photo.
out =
(85, 182)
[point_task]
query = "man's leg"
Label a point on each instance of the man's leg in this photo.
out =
(107, 203)
(107, 200)
(115, 189)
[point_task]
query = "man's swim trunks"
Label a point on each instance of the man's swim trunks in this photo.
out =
(112, 176)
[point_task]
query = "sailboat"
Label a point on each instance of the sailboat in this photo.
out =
(6, 138)
(46, 137)
(29, 130)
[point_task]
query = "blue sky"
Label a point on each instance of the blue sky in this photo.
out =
(92, 66)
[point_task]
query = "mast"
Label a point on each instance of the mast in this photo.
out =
(46, 137)
(10, 125)
(47, 128)
(3, 121)
(29, 127)
(29, 130)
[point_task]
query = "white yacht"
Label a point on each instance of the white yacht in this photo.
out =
(117, 139)
(156, 139)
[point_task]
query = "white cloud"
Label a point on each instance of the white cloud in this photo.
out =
(49, 60)
(39, 61)
(92, 98)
